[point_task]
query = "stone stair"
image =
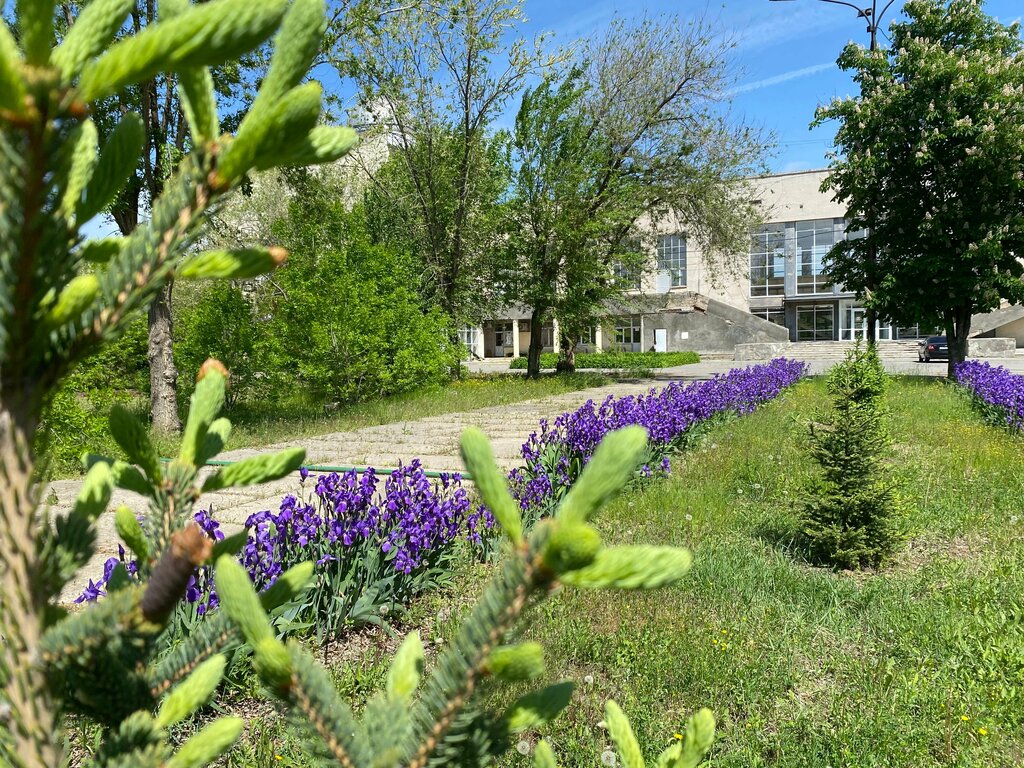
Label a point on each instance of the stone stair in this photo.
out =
(836, 350)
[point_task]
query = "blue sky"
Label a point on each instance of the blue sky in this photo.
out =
(786, 55)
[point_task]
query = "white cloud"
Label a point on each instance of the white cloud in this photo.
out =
(781, 78)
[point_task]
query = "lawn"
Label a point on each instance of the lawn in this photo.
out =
(919, 664)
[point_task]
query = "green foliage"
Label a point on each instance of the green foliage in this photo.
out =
(76, 417)
(614, 360)
(222, 323)
(346, 317)
(851, 517)
(445, 723)
(477, 456)
(925, 165)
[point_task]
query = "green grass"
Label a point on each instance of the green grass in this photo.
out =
(803, 666)
(615, 360)
(918, 664)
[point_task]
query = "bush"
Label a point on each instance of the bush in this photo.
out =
(851, 515)
(222, 323)
(347, 318)
(75, 419)
(607, 360)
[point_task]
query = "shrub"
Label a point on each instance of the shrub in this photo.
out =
(346, 317)
(75, 419)
(852, 512)
(222, 323)
(612, 360)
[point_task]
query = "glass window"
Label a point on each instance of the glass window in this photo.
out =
(503, 334)
(469, 337)
(768, 260)
(672, 258)
(814, 239)
(626, 277)
(586, 338)
(815, 323)
(626, 335)
(777, 316)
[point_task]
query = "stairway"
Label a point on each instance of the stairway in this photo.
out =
(905, 351)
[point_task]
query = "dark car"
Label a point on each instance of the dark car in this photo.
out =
(932, 348)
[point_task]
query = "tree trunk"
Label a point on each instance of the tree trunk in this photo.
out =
(536, 344)
(958, 327)
(33, 730)
(567, 357)
(163, 376)
(871, 318)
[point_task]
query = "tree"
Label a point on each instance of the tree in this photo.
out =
(344, 314)
(435, 77)
(633, 134)
(167, 140)
(932, 150)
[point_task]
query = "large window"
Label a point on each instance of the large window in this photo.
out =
(814, 239)
(815, 323)
(469, 338)
(672, 258)
(768, 261)
(626, 335)
(777, 316)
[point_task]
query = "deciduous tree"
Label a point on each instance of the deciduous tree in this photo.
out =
(435, 77)
(635, 133)
(934, 147)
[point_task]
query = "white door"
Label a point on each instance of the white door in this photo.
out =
(660, 340)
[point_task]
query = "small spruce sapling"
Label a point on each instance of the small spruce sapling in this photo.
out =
(852, 513)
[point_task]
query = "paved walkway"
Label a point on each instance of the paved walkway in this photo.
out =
(434, 440)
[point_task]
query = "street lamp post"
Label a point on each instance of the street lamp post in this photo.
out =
(873, 17)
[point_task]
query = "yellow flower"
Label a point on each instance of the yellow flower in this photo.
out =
(678, 736)
(965, 718)
(983, 731)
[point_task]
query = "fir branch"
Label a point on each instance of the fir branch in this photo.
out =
(216, 633)
(458, 669)
(313, 693)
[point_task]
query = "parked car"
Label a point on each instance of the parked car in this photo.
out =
(932, 348)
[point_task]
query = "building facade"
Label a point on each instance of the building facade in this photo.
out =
(774, 292)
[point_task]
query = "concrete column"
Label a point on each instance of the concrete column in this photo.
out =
(598, 338)
(515, 338)
(555, 345)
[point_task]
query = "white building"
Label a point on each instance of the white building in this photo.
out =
(777, 293)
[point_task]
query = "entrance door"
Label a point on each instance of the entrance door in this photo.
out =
(503, 339)
(660, 340)
(858, 323)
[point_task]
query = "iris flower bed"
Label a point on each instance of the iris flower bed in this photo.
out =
(374, 549)
(556, 455)
(998, 393)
